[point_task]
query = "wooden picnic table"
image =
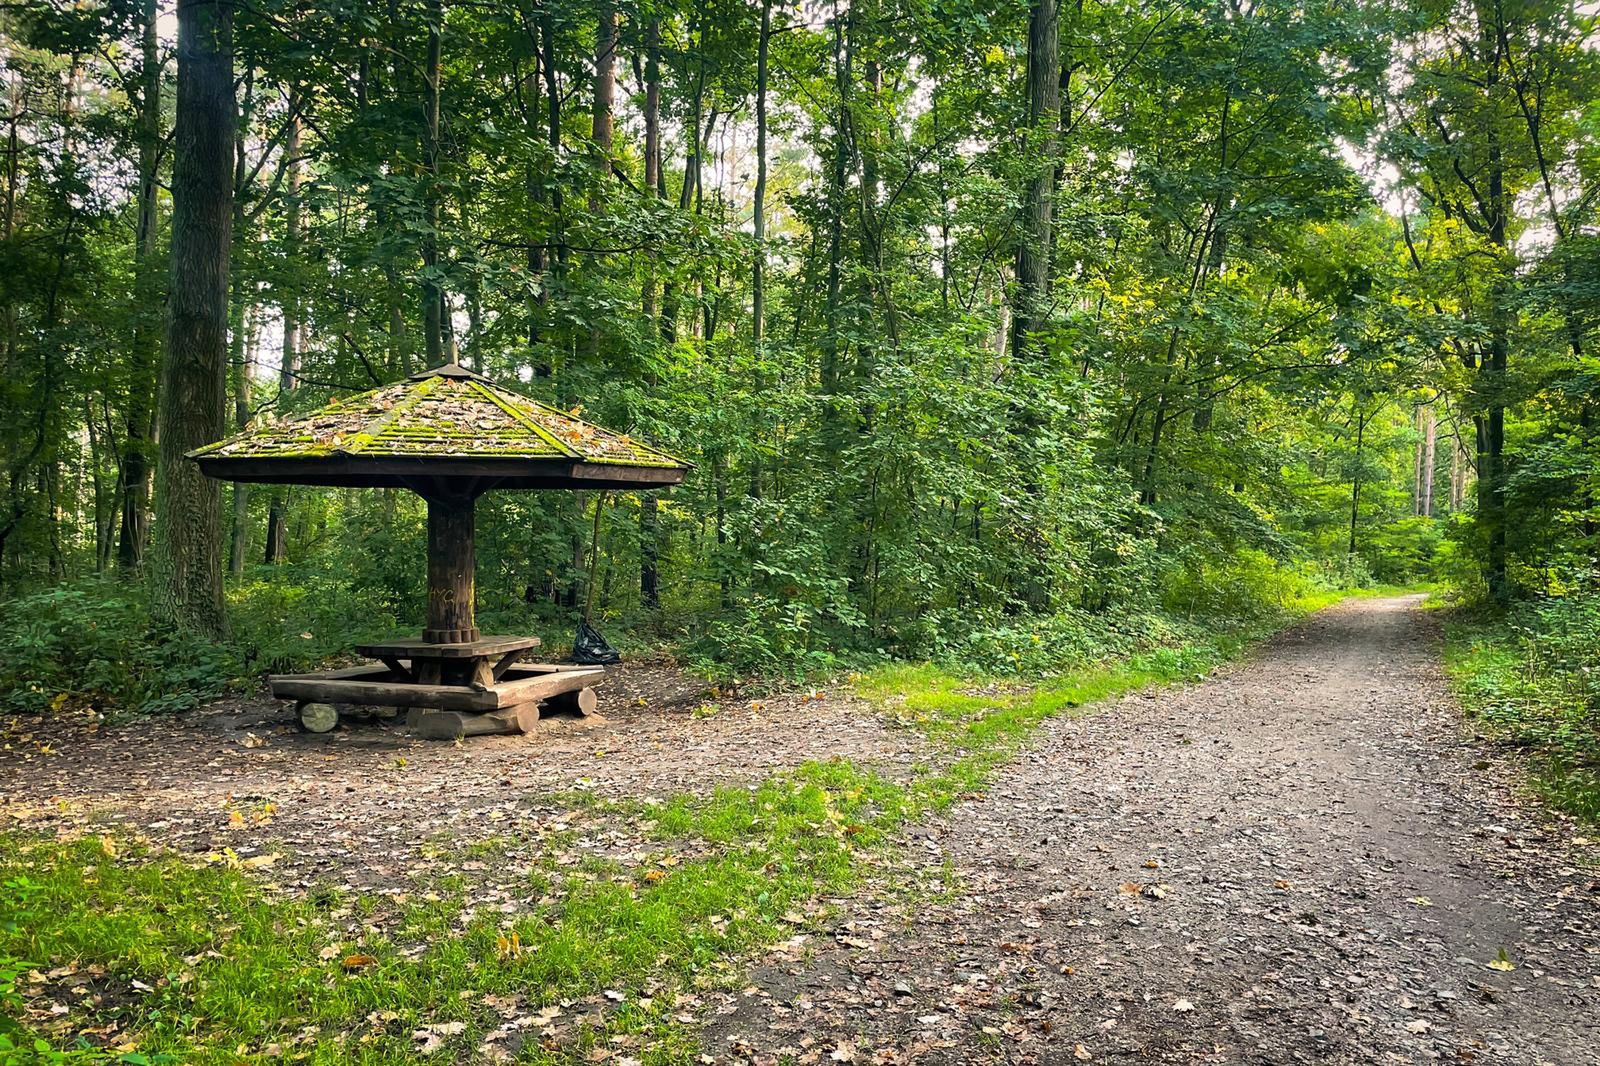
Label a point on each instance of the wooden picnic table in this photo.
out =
(461, 688)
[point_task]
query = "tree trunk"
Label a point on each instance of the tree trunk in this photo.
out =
(533, 124)
(1038, 211)
(1429, 438)
(828, 370)
(277, 548)
(652, 150)
(433, 306)
(186, 561)
(244, 347)
(602, 121)
(758, 270)
(1492, 372)
(144, 352)
(1355, 480)
(649, 504)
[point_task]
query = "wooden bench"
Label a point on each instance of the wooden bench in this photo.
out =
(451, 690)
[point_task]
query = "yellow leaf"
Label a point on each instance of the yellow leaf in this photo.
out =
(1502, 961)
(108, 845)
(652, 876)
(358, 962)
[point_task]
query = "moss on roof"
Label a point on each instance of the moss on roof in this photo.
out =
(447, 411)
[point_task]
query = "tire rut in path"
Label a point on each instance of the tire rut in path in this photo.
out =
(1301, 859)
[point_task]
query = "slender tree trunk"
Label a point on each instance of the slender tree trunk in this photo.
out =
(758, 269)
(244, 347)
(828, 370)
(1038, 212)
(277, 547)
(552, 100)
(1429, 437)
(652, 150)
(1458, 471)
(1355, 479)
(144, 352)
(433, 303)
(186, 562)
(538, 226)
(602, 122)
(1491, 381)
(688, 195)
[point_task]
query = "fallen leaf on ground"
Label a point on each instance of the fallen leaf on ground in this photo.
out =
(1183, 1006)
(1502, 961)
(359, 962)
(430, 1038)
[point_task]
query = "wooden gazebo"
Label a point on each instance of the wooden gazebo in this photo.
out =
(449, 435)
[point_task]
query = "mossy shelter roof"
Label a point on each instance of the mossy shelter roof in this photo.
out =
(446, 423)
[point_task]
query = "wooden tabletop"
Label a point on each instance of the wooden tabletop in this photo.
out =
(417, 648)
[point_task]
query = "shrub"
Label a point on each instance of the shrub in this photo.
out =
(92, 644)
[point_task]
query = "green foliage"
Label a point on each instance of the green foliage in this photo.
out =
(1532, 678)
(92, 645)
(1254, 373)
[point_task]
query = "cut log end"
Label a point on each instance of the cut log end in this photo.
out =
(453, 725)
(580, 703)
(318, 717)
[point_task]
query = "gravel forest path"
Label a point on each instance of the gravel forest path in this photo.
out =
(1301, 860)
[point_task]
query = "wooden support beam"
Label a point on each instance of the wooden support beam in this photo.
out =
(452, 562)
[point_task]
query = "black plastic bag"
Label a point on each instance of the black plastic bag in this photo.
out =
(589, 648)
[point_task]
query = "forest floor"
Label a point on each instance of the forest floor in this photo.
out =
(1303, 858)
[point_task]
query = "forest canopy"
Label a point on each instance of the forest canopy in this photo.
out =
(994, 329)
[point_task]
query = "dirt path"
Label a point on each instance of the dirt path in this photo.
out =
(1300, 860)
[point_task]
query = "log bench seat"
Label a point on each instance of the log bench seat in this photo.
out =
(507, 702)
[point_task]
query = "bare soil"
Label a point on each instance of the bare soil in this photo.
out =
(1302, 860)
(369, 805)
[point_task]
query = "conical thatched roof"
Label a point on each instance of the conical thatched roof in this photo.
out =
(444, 423)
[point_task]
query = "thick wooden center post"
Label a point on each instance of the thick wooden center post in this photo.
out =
(452, 561)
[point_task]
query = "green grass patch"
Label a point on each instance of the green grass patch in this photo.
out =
(201, 962)
(1496, 671)
(1531, 680)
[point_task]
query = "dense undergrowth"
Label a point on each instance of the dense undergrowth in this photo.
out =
(1530, 677)
(89, 646)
